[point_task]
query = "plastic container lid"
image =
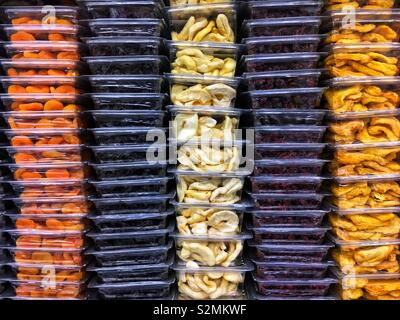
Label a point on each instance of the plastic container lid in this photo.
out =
(216, 238)
(245, 267)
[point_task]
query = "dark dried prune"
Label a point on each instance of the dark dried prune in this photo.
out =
(126, 84)
(264, 10)
(279, 80)
(288, 151)
(287, 218)
(107, 154)
(126, 9)
(286, 201)
(126, 27)
(109, 119)
(128, 102)
(271, 31)
(124, 46)
(306, 167)
(284, 117)
(298, 235)
(131, 273)
(286, 44)
(276, 62)
(285, 184)
(125, 294)
(270, 271)
(126, 171)
(289, 134)
(298, 288)
(125, 136)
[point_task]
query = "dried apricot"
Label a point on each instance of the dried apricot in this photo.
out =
(31, 55)
(54, 224)
(34, 106)
(37, 89)
(24, 157)
(54, 72)
(12, 72)
(66, 89)
(56, 37)
(57, 174)
(56, 140)
(42, 257)
(21, 20)
(25, 224)
(68, 56)
(14, 88)
(31, 241)
(21, 141)
(46, 55)
(52, 105)
(22, 36)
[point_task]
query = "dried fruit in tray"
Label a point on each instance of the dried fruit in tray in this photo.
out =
(56, 171)
(43, 137)
(48, 240)
(288, 151)
(35, 289)
(282, 184)
(114, 119)
(43, 120)
(363, 4)
(42, 102)
(46, 256)
(289, 134)
(31, 15)
(292, 167)
(42, 32)
(128, 153)
(287, 201)
(177, 3)
(128, 101)
(126, 84)
(279, 9)
(50, 154)
(129, 170)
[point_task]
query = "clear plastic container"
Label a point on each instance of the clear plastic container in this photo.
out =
(282, 184)
(178, 3)
(42, 85)
(289, 134)
(128, 102)
(284, 44)
(214, 219)
(131, 222)
(139, 153)
(126, 65)
(49, 154)
(210, 59)
(61, 50)
(49, 172)
(368, 61)
(126, 84)
(287, 201)
(301, 253)
(368, 160)
(210, 187)
(366, 257)
(282, 80)
(43, 120)
(52, 205)
(41, 32)
(199, 249)
(134, 290)
(125, 240)
(40, 67)
(297, 218)
(142, 272)
(114, 119)
(129, 170)
(293, 287)
(278, 61)
(36, 289)
(146, 186)
(287, 99)
(42, 102)
(122, 9)
(120, 27)
(293, 26)
(220, 91)
(122, 136)
(125, 46)
(369, 5)
(281, 117)
(295, 235)
(293, 167)
(141, 204)
(131, 257)
(369, 93)
(290, 270)
(286, 151)
(222, 17)
(280, 9)
(223, 122)
(223, 282)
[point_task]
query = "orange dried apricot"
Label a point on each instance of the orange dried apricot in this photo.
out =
(42, 257)
(56, 37)
(14, 88)
(34, 106)
(38, 89)
(27, 73)
(12, 72)
(71, 107)
(43, 54)
(55, 140)
(31, 55)
(25, 224)
(68, 56)
(52, 105)
(24, 157)
(21, 141)
(57, 174)
(30, 241)
(66, 89)
(21, 20)
(22, 36)
(44, 124)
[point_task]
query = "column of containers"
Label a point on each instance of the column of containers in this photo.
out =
(45, 227)
(364, 133)
(209, 239)
(131, 248)
(282, 79)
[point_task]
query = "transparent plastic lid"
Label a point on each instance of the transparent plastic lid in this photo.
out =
(240, 173)
(235, 206)
(174, 110)
(282, 39)
(132, 251)
(288, 74)
(130, 217)
(137, 285)
(216, 238)
(245, 267)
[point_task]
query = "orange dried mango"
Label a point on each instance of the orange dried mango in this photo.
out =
(22, 36)
(24, 157)
(14, 88)
(42, 257)
(57, 174)
(52, 105)
(31, 55)
(38, 89)
(21, 141)
(34, 106)
(25, 224)
(54, 224)
(30, 241)
(27, 73)
(12, 72)
(55, 140)
(56, 37)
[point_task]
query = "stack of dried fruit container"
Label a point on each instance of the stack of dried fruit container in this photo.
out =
(46, 227)
(364, 131)
(288, 249)
(131, 248)
(209, 212)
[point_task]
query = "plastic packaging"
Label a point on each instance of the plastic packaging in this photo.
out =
(289, 134)
(133, 256)
(142, 204)
(114, 119)
(146, 186)
(302, 253)
(279, 9)
(295, 26)
(280, 117)
(197, 248)
(121, 136)
(123, 9)
(126, 84)
(42, 32)
(64, 256)
(277, 62)
(287, 201)
(131, 222)
(288, 151)
(282, 79)
(131, 153)
(128, 102)
(125, 46)
(298, 218)
(189, 279)
(129, 170)
(49, 154)
(120, 27)
(127, 65)
(35, 289)
(283, 99)
(293, 167)
(283, 183)
(332, 5)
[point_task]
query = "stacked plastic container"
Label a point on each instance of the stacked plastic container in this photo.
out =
(209, 239)
(130, 244)
(45, 227)
(282, 83)
(363, 99)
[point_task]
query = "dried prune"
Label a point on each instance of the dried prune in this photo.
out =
(126, 84)
(118, 136)
(128, 102)
(282, 26)
(308, 218)
(263, 10)
(110, 119)
(124, 9)
(282, 270)
(286, 44)
(293, 167)
(287, 201)
(106, 154)
(283, 184)
(284, 117)
(288, 151)
(282, 79)
(130, 170)
(298, 235)
(289, 134)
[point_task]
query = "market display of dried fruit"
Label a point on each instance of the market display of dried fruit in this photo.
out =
(362, 4)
